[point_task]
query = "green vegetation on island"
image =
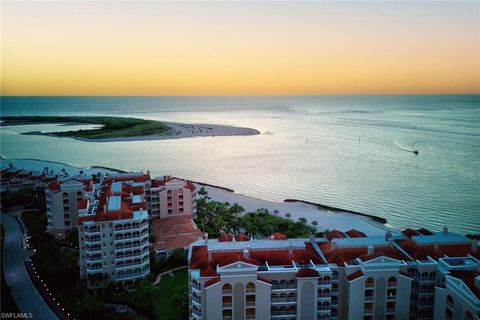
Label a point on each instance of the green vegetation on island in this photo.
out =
(112, 127)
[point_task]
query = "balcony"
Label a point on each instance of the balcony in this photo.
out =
(196, 300)
(250, 317)
(368, 311)
(226, 292)
(131, 246)
(92, 240)
(94, 268)
(197, 314)
(286, 313)
(96, 249)
(390, 310)
(131, 237)
(92, 231)
(120, 257)
(284, 287)
(130, 265)
(250, 303)
(96, 258)
(196, 287)
(134, 275)
(227, 305)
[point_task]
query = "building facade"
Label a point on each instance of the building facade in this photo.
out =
(113, 232)
(62, 197)
(337, 277)
(171, 196)
(164, 197)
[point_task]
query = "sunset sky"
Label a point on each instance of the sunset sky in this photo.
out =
(239, 48)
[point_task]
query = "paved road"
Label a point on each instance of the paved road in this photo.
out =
(23, 291)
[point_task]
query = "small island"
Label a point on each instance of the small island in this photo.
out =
(125, 129)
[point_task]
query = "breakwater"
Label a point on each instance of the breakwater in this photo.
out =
(334, 209)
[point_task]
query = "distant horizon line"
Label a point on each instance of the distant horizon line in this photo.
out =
(254, 95)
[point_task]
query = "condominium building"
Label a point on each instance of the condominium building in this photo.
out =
(164, 197)
(416, 275)
(171, 196)
(12, 179)
(113, 232)
(62, 196)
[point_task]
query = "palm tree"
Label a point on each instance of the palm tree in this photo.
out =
(302, 220)
(276, 212)
(288, 215)
(315, 223)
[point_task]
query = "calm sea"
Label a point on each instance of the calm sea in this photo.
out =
(348, 152)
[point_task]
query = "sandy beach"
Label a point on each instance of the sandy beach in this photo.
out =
(177, 131)
(326, 219)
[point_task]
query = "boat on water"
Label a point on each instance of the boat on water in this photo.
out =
(415, 151)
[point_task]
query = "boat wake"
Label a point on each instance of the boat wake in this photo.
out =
(403, 148)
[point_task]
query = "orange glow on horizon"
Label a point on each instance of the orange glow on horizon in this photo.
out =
(157, 48)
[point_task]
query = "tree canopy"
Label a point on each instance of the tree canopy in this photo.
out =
(215, 217)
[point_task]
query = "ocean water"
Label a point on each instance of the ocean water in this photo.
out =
(351, 152)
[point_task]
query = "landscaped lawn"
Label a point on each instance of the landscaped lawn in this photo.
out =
(164, 306)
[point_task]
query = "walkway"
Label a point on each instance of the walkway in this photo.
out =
(169, 272)
(22, 289)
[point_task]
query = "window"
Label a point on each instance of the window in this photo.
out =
(227, 289)
(449, 300)
(468, 316)
(369, 282)
(392, 282)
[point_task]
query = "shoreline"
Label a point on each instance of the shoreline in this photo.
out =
(326, 217)
(176, 131)
(335, 209)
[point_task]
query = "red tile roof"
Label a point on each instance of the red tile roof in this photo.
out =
(199, 258)
(307, 273)
(278, 236)
(468, 277)
(264, 280)
(174, 232)
(125, 212)
(353, 233)
(424, 231)
(421, 252)
(211, 282)
(334, 234)
(161, 182)
(355, 275)
(53, 185)
(208, 272)
(136, 178)
(225, 238)
(410, 232)
(385, 252)
(241, 237)
(82, 204)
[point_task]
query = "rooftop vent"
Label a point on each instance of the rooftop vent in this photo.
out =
(370, 250)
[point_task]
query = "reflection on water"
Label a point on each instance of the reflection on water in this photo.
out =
(340, 151)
